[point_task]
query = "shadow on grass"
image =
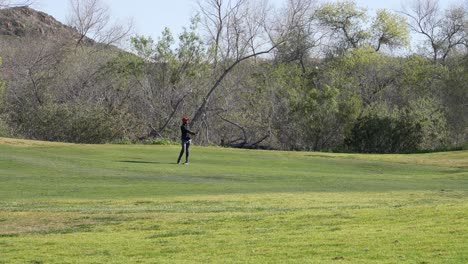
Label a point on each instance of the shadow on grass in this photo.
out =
(144, 162)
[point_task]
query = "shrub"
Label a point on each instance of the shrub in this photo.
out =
(74, 123)
(5, 130)
(159, 141)
(123, 141)
(374, 134)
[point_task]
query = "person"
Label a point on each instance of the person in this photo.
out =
(186, 140)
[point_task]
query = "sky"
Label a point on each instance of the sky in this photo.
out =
(150, 17)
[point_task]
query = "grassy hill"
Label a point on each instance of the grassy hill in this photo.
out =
(68, 203)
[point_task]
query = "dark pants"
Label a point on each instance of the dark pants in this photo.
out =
(186, 148)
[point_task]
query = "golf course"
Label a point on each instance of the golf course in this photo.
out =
(77, 203)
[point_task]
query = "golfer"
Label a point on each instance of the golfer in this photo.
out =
(186, 140)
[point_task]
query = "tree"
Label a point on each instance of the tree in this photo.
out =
(348, 26)
(390, 30)
(443, 31)
(56, 92)
(310, 112)
(420, 78)
(365, 72)
(91, 18)
(30, 67)
(4, 128)
(430, 115)
(172, 73)
(302, 34)
(2, 91)
(2, 87)
(346, 22)
(453, 93)
(237, 32)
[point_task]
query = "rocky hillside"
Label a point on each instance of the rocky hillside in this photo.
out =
(24, 21)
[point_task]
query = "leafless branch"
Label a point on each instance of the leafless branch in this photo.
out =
(443, 30)
(91, 18)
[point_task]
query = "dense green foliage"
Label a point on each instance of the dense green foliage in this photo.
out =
(375, 134)
(75, 203)
(363, 90)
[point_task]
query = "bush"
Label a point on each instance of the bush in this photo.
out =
(374, 134)
(430, 115)
(74, 123)
(420, 125)
(122, 141)
(5, 130)
(159, 141)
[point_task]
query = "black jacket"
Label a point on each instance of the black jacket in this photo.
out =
(185, 132)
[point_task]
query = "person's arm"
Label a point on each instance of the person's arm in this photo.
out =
(193, 133)
(188, 131)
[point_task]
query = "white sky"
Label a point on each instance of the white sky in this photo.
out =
(150, 17)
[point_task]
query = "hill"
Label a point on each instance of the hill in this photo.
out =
(27, 22)
(132, 203)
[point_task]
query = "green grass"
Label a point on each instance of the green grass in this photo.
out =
(68, 203)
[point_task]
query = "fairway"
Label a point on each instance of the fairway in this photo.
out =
(71, 203)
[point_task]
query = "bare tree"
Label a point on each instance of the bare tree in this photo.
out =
(466, 24)
(238, 30)
(91, 18)
(442, 30)
(172, 73)
(303, 33)
(30, 66)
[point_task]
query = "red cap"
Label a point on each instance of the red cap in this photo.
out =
(184, 118)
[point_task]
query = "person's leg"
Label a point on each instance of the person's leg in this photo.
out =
(187, 153)
(181, 152)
